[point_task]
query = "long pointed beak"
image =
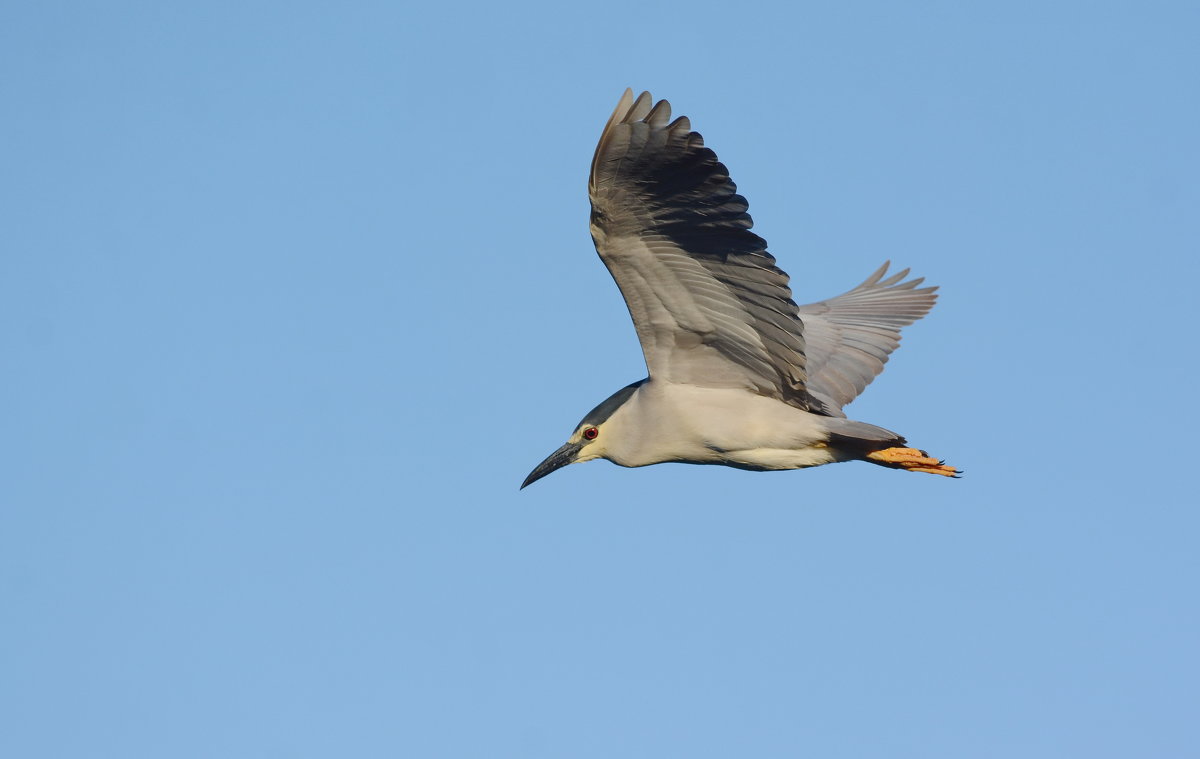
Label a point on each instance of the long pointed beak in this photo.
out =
(556, 460)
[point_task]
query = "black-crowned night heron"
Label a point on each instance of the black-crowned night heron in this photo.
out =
(739, 374)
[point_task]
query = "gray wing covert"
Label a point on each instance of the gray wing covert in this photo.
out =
(709, 305)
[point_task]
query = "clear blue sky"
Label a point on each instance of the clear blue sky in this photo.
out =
(293, 296)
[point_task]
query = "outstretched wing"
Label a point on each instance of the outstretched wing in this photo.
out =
(848, 338)
(709, 305)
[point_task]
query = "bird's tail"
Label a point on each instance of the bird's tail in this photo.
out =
(857, 439)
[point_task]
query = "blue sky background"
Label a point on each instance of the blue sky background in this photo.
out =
(293, 295)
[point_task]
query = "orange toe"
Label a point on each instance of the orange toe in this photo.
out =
(912, 460)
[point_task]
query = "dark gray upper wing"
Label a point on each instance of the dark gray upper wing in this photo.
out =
(709, 305)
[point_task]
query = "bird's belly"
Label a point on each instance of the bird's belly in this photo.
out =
(732, 427)
(776, 458)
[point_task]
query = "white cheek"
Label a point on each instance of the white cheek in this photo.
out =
(592, 450)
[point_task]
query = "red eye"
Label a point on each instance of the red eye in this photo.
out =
(590, 433)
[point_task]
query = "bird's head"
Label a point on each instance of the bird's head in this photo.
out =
(583, 445)
(588, 441)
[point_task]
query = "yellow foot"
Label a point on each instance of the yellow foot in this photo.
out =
(912, 460)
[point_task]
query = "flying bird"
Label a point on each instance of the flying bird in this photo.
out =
(738, 373)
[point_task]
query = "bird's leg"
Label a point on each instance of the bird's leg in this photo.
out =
(912, 460)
